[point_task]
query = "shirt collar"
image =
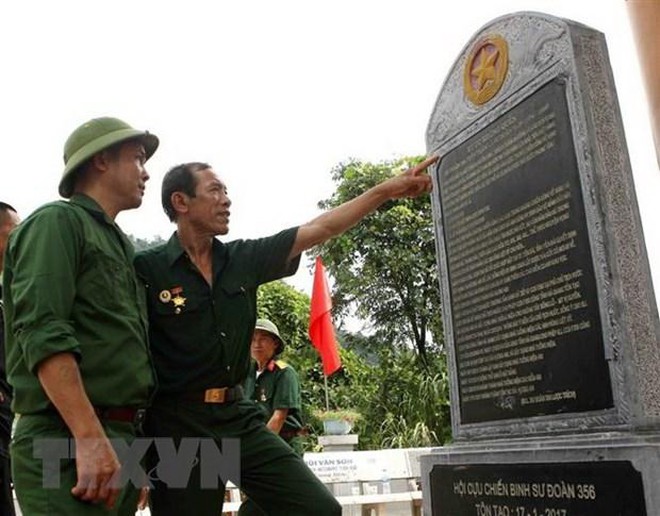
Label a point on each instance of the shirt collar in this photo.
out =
(92, 207)
(175, 250)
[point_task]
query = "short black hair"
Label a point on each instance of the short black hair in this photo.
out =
(180, 178)
(4, 209)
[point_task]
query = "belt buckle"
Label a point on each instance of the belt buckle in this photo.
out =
(215, 395)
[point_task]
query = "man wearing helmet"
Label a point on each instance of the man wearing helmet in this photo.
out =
(76, 339)
(273, 384)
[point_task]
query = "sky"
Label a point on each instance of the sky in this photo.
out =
(273, 94)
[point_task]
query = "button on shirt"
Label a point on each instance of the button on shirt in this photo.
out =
(70, 286)
(200, 334)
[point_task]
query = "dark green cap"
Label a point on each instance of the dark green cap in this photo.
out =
(94, 136)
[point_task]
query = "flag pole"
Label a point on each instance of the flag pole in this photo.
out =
(327, 401)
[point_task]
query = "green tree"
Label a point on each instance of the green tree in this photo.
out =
(140, 244)
(402, 404)
(385, 270)
(413, 408)
(385, 267)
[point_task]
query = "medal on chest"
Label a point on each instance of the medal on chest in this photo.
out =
(174, 296)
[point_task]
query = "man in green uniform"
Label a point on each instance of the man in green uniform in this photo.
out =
(77, 354)
(8, 221)
(201, 295)
(273, 384)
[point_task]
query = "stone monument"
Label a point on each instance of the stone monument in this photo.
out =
(550, 318)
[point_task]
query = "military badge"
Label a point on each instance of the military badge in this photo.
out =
(178, 300)
(173, 296)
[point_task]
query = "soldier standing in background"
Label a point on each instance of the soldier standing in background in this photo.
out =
(274, 386)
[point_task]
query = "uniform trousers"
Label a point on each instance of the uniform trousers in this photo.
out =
(6, 495)
(272, 475)
(28, 471)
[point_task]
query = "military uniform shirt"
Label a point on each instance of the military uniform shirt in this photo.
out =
(277, 387)
(200, 334)
(6, 417)
(70, 286)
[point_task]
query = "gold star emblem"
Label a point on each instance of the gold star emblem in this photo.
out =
(179, 301)
(485, 69)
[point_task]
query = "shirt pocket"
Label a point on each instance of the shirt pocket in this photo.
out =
(237, 308)
(110, 281)
(184, 321)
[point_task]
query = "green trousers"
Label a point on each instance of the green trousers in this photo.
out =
(28, 471)
(272, 475)
(250, 508)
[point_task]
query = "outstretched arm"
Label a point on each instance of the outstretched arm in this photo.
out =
(412, 183)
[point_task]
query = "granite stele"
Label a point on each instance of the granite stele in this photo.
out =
(549, 312)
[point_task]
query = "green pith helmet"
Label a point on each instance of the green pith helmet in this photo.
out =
(268, 326)
(94, 136)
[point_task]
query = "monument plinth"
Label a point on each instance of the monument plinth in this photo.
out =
(549, 312)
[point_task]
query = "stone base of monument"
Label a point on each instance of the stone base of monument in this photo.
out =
(604, 474)
(347, 442)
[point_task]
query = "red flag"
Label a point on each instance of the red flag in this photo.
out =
(321, 331)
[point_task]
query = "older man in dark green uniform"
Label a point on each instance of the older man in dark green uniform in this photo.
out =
(77, 354)
(201, 295)
(273, 384)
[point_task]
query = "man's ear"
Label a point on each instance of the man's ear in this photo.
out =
(179, 202)
(100, 161)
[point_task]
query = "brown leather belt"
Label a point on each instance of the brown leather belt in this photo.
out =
(122, 414)
(217, 395)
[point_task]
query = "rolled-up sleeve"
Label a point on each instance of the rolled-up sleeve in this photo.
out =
(44, 263)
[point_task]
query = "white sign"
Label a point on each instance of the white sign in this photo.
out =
(355, 466)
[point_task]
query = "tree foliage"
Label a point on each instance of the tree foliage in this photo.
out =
(140, 244)
(385, 267)
(402, 403)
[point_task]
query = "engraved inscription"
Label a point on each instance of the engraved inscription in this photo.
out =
(526, 327)
(555, 489)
